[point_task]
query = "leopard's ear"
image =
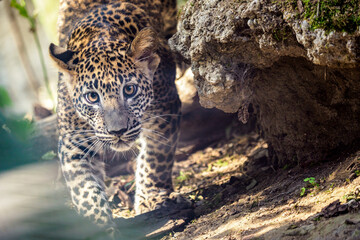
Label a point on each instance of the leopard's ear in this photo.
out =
(62, 57)
(143, 50)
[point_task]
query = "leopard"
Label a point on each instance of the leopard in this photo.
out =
(116, 89)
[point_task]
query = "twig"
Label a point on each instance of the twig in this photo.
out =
(21, 48)
(42, 60)
(33, 28)
(318, 9)
(300, 6)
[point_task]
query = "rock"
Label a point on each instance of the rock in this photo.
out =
(351, 222)
(301, 231)
(251, 185)
(302, 84)
(258, 153)
(336, 208)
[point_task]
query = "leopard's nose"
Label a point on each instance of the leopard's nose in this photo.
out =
(117, 132)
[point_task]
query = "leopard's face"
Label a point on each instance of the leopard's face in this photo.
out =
(111, 94)
(109, 81)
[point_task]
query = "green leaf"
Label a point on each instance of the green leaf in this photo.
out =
(308, 179)
(21, 7)
(5, 99)
(312, 181)
(302, 191)
(183, 177)
(20, 128)
(49, 155)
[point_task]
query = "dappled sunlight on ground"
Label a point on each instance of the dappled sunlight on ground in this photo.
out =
(237, 194)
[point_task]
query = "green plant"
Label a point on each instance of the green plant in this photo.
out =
(312, 181)
(338, 15)
(330, 15)
(196, 195)
(183, 177)
(331, 188)
(221, 162)
(49, 155)
(312, 184)
(281, 35)
(20, 5)
(5, 100)
(350, 196)
(302, 191)
(193, 221)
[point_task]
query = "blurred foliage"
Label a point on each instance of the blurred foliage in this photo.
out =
(5, 100)
(21, 7)
(49, 155)
(45, 11)
(14, 136)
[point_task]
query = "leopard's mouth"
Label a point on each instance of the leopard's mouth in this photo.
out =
(121, 145)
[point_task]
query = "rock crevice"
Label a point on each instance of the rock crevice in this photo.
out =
(303, 83)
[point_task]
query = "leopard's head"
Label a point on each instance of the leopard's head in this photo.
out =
(110, 83)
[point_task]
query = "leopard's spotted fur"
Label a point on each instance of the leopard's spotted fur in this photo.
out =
(108, 49)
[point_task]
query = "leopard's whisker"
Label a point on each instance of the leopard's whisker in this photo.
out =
(89, 149)
(114, 155)
(159, 134)
(157, 140)
(98, 146)
(162, 115)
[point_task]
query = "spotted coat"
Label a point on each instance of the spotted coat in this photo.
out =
(116, 86)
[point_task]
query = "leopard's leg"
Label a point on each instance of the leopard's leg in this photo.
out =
(83, 176)
(155, 161)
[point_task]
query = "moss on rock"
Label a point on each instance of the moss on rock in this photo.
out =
(330, 15)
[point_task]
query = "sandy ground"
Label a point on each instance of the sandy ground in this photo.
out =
(236, 194)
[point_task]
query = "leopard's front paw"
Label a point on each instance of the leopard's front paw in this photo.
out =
(154, 199)
(160, 199)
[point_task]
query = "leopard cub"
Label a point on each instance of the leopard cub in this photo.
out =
(116, 85)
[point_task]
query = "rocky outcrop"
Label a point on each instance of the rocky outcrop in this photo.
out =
(303, 84)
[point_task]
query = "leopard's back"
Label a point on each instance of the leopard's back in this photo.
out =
(162, 13)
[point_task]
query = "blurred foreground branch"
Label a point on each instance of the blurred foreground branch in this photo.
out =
(21, 7)
(21, 48)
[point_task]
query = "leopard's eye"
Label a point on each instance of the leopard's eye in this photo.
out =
(92, 97)
(130, 90)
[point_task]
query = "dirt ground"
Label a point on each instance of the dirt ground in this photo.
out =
(237, 195)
